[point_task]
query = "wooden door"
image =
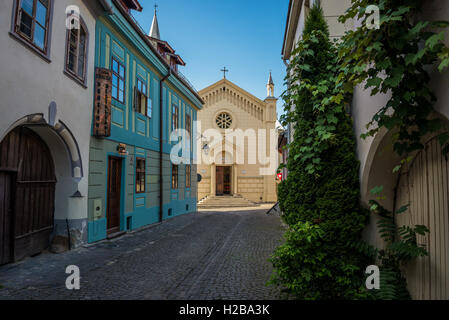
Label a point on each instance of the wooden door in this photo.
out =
(425, 187)
(220, 180)
(114, 194)
(6, 216)
(24, 152)
(227, 180)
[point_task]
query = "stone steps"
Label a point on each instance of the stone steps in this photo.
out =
(225, 202)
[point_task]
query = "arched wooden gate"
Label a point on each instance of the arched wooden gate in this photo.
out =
(425, 186)
(27, 192)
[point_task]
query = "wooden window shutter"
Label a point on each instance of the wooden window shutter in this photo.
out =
(142, 103)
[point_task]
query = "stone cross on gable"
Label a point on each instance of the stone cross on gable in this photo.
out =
(224, 72)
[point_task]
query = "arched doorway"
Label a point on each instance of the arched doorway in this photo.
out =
(27, 193)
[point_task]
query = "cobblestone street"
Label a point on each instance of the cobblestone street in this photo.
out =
(205, 255)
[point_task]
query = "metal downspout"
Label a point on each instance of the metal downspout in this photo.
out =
(161, 130)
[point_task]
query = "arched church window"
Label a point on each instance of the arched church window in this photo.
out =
(224, 120)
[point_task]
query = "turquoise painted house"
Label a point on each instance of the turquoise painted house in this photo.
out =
(132, 182)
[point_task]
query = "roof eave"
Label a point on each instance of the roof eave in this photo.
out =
(292, 20)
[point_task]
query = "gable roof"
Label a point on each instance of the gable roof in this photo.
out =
(226, 82)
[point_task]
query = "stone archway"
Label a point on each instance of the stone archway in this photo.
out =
(64, 134)
(70, 206)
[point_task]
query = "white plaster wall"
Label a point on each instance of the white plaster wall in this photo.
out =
(333, 9)
(28, 84)
(300, 26)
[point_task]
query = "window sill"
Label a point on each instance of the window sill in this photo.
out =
(76, 79)
(27, 44)
(118, 101)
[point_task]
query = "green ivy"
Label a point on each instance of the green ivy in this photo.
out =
(312, 102)
(395, 60)
(320, 200)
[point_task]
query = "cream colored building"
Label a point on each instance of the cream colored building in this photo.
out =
(423, 183)
(229, 110)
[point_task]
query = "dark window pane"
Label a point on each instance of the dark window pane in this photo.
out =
(25, 24)
(140, 175)
(81, 65)
(39, 36)
(41, 13)
(73, 37)
(81, 57)
(27, 5)
(71, 63)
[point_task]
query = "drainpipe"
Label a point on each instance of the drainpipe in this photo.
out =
(161, 131)
(107, 6)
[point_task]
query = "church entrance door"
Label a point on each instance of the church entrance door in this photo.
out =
(223, 182)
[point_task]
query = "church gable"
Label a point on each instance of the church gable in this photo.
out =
(234, 95)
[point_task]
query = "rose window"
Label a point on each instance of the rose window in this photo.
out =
(224, 120)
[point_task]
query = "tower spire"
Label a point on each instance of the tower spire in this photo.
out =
(270, 86)
(154, 31)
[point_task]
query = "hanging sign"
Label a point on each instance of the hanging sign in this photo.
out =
(102, 107)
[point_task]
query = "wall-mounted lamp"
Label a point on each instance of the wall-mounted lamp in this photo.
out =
(121, 149)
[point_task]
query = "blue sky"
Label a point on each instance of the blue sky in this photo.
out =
(244, 35)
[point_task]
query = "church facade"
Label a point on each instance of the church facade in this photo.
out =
(237, 133)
